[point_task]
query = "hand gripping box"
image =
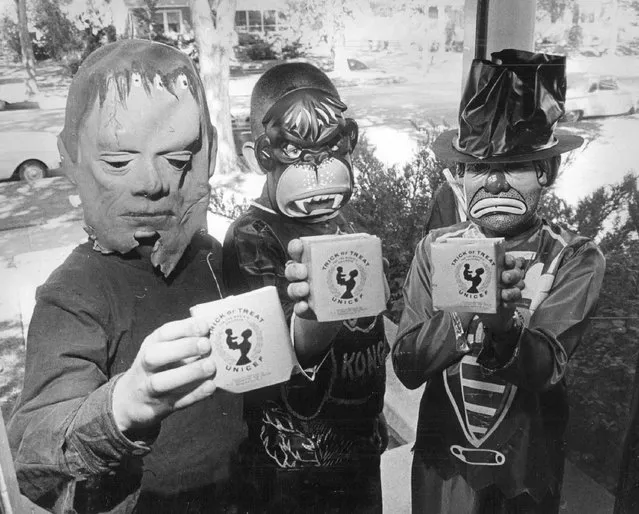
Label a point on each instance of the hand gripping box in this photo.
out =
(346, 275)
(250, 340)
(465, 275)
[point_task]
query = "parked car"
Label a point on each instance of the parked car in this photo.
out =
(27, 155)
(599, 96)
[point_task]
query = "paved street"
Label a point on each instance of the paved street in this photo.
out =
(392, 104)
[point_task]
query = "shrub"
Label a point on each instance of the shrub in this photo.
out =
(575, 37)
(393, 203)
(11, 36)
(227, 204)
(286, 45)
(272, 46)
(261, 50)
(601, 370)
(56, 35)
(293, 49)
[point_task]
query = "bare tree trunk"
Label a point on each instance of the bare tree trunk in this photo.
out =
(27, 50)
(340, 56)
(213, 25)
(614, 27)
(337, 10)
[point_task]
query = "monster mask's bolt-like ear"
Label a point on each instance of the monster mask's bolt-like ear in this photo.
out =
(353, 132)
(67, 165)
(264, 153)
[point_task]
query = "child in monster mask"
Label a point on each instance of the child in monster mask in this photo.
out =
(314, 443)
(113, 357)
(492, 417)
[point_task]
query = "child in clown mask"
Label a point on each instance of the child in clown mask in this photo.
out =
(491, 423)
(314, 443)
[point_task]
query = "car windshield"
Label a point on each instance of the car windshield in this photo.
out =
(581, 87)
(591, 85)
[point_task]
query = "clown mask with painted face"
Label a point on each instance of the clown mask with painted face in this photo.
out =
(502, 198)
(138, 143)
(306, 152)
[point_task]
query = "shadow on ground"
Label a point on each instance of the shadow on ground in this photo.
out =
(24, 205)
(11, 364)
(18, 106)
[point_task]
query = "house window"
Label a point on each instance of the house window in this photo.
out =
(173, 21)
(259, 21)
(255, 21)
(241, 21)
(282, 22)
(270, 21)
(168, 21)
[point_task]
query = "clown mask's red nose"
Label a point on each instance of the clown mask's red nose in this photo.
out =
(496, 183)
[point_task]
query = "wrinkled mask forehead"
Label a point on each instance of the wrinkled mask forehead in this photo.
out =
(145, 119)
(306, 117)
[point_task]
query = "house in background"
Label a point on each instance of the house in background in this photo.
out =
(173, 17)
(440, 22)
(260, 16)
(168, 17)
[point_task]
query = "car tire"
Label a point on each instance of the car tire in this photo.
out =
(572, 116)
(31, 171)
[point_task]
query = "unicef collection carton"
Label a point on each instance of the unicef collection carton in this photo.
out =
(465, 274)
(346, 275)
(250, 340)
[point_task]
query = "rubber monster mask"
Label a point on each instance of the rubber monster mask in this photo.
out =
(138, 143)
(306, 151)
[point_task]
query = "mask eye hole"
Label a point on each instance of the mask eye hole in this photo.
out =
(179, 164)
(118, 165)
(116, 162)
(179, 160)
(292, 151)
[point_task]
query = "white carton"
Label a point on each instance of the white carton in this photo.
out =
(346, 275)
(465, 275)
(250, 340)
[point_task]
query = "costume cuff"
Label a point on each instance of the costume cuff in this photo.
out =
(309, 372)
(94, 442)
(461, 335)
(492, 361)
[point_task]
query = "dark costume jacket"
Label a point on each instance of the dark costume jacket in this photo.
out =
(499, 423)
(90, 319)
(330, 418)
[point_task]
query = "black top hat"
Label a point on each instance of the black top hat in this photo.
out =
(509, 110)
